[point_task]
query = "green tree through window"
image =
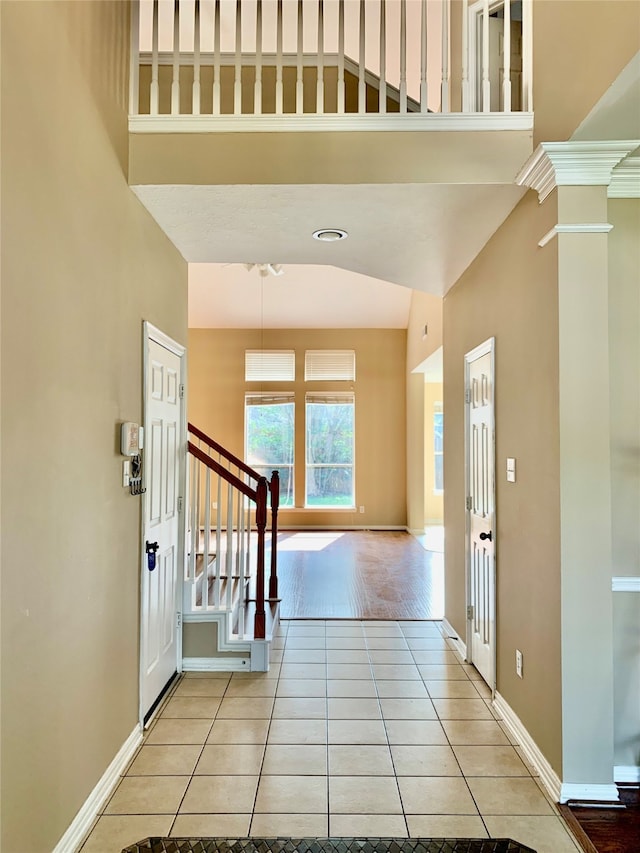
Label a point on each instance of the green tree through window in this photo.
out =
(269, 435)
(329, 450)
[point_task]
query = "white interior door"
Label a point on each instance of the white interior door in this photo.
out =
(160, 582)
(480, 469)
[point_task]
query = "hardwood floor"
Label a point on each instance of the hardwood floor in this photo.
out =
(608, 830)
(358, 575)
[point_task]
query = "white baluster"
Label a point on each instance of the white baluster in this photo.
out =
(279, 88)
(154, 90)
(403, 56)
(216, 586)
(320, 86)
(134, 70)
(527, 59)
(216, 59)
(466, 100)
(257, 95)
(486, 83)
(362, 85)
(424, 86)
(445, 104)
(229, 545)
(195, 108)
(382, 93)
(340, 56)
(299, 57)
(237, 85)
(207, 529)
(193, 521)
(506, 79)
(175, 83)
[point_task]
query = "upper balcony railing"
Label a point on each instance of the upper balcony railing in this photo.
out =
(330, 64)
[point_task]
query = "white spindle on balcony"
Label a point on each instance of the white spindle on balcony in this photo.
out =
(362, 61)
(320, 86)
(370, 58)
(299, 61)
(279, 81)
(175, 82)
(446, 41)
(424, 46)
(506, 77)
(341, 98)
(237, 75)
(257, 94)
(486, 83)
(196, 59)
(382, 95)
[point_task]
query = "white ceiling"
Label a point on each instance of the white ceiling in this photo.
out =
(422, 236)
(303, 297)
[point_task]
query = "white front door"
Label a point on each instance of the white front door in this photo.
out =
(163, 422)
(480, 470)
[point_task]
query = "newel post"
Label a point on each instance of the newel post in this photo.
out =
(261, 523)
(275, 505)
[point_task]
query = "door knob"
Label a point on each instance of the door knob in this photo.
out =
(488, 536)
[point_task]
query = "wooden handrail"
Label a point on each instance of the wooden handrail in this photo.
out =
(224, 452)
(236, 482)
(260, 496)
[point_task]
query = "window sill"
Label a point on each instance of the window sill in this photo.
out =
(318, 509)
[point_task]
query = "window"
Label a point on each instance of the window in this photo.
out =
(329, 449)
(269, 365)
(269, 438)
(329, 365)
(438, 433)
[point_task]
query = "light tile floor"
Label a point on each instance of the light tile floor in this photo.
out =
(360, 728)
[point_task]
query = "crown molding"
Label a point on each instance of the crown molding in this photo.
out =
(575, 228)
(555, 164)
(625, 180)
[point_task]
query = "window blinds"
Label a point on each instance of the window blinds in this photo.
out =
(269, 365)
(329, 365)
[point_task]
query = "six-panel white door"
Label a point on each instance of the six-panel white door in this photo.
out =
(481, 510)
(163, 417)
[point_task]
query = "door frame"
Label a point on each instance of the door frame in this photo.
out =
(152, 333)
(487, 347)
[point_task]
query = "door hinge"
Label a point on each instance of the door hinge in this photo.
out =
(468, 502)
(470, 612)
(180, 504)
(181, 392)
(179, 619)
(467, 395)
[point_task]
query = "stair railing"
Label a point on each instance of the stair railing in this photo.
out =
(223, 568)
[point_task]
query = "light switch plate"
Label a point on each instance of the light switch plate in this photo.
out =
(511, 470)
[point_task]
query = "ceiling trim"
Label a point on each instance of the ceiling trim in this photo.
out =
(573, 163)
(625, 180)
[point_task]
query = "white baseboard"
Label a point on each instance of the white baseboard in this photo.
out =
(625, 584)
(595, 793)
(548, 776)
(450, 632)
(216, 664)
(629, 774)
(83, 821)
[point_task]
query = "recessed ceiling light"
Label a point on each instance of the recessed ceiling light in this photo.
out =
(330, 235)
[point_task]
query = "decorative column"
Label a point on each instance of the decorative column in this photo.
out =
(581, 172)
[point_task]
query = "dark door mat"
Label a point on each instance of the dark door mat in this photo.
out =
(328, 845)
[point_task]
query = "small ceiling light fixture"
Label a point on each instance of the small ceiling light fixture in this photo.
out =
(330, 235)
(266, 269)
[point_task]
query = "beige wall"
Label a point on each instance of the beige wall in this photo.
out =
(82, 265)
(426, 310)
(216, 405)
(510, 292)
(433, 501)
(624, 353)
(579, 48)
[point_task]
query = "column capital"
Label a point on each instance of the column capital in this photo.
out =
(573, 163)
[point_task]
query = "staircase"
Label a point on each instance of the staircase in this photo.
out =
(230, 607)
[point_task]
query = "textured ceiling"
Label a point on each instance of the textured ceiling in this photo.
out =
(420, 236)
